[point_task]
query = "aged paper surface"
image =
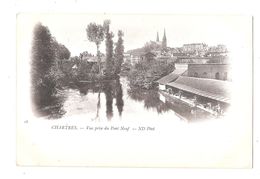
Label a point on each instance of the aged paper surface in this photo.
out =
(90, 127)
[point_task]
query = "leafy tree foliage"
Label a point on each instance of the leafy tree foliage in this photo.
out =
(119, 52)
(144, 73)
(43, 55)
(149, 46)
(61, 51)
(109, 65)
(95, 33)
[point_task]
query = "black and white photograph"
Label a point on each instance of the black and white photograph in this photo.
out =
(134, 90)
(122, 76)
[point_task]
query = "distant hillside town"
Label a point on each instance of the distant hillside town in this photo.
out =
(199, 53)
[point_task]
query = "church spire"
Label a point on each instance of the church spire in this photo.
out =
(164, 40)
(157, 38)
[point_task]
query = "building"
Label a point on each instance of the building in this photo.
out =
(156, 47)
(195, 47)
(209, 82)
(211, 71)
(218, 49)
(187, 59)
(160, 44)
(157, 37)
(164, 41)
(180, 69)
(134, 59)
(216, 90)
(165, 59)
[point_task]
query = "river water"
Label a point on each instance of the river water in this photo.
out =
(116, 100)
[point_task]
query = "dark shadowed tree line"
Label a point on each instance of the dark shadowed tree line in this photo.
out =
(109, 64)
(119, 52)
(46, 75)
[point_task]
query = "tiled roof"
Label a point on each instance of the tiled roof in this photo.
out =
(171, 77)
(210, 88)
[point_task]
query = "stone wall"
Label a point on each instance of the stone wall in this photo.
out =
(212, 71)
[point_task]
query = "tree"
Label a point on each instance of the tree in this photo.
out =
(43, 56)
(150, 46)
(63, 52)
(109, 49)
(143, 74)
(119, 52)
(95, 33)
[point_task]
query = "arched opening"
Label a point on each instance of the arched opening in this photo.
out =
(205, 75)
(217, 75)
(196, 74)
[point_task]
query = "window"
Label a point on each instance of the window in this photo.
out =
(217, 75)
(196, 74)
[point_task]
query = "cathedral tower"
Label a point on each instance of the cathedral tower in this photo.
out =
(164, 41)
(157, 38)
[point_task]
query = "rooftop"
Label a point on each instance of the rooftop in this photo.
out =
(194, 44)
(208, 64)
(210, 88)
(171, 77)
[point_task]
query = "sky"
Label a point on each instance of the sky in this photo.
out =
(70, 29)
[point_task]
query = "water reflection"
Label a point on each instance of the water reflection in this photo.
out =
(119, 98)
(150, 98)
(108, 90)
(112, 89)
(53, 108)
(98, 101)
(98, 107)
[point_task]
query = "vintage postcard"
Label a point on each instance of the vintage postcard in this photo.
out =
(134, 90)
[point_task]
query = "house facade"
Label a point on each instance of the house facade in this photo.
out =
(194, 47)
